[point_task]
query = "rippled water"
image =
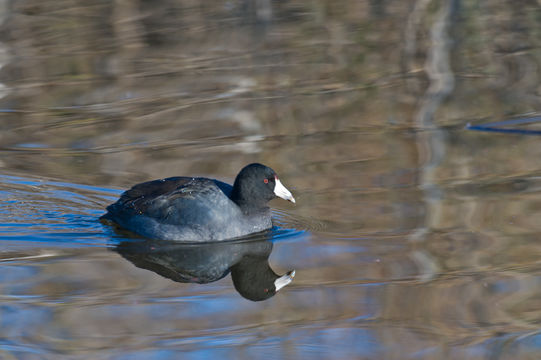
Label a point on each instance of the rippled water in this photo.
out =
(412, 236)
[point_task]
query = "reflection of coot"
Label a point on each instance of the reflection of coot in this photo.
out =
(203, 263)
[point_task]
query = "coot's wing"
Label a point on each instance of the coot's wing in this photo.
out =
(176, 200)
(135, 200)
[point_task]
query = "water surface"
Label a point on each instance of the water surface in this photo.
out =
(412, 237)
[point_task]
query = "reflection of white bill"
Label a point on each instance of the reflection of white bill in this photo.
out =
(284, 280)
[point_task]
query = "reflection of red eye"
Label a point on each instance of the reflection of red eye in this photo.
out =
(266, 181)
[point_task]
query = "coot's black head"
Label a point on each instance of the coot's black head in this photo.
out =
(256, 184)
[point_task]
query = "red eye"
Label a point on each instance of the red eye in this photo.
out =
(266, 181)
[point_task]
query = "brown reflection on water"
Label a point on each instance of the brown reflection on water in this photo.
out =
(416, 238)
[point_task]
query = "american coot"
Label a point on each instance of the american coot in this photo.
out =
(199, 209)
(247, 261)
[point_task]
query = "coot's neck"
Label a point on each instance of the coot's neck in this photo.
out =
(248, 204)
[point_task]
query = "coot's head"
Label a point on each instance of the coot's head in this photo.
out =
(256, 184)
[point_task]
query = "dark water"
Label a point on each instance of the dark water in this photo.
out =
(412, 237)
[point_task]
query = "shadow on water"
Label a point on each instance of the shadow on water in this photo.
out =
(246, 259)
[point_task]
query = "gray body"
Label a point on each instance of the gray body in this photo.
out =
(185, 209)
